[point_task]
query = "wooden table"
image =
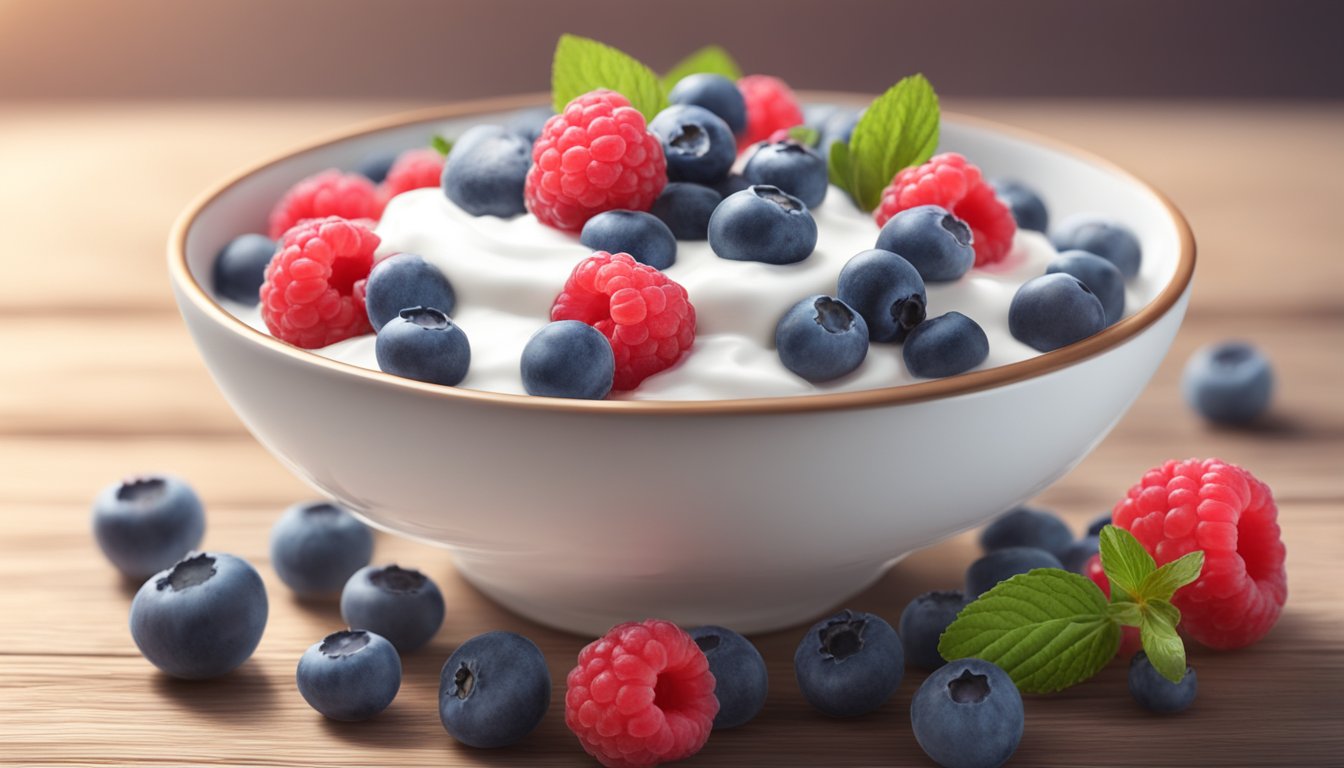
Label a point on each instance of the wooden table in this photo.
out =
(98, 379)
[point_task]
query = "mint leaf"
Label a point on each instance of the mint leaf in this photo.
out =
(1163, 646)
(582, 65)
(711, 59)
(1048, 629)
(804, 134)
(1127, 613)
(442, 145)
(1163, 583)
(837, 165)
(899, 129)
(1125, 560)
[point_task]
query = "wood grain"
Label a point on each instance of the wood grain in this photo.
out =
(99, 379)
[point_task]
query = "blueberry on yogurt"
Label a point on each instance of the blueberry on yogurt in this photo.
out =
(793, 167)
(422, 343)
(698, 144)
(715, 93)
(405, 280)
(762, 223)
(1108, 239)
(945, 346)
(484, 173)
(241, 266)
(685, 208)
(1100, 276)
(642, 235)
(934, 241)
(1052, 311)
(887, 291)
(821, 338)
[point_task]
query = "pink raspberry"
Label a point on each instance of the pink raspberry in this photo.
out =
(771, 107)
(641, 695)
(597, 155)
(413, 169)
(329, 193)
(313, 292)
(949, 181)
(647, 318)
(1224, 510)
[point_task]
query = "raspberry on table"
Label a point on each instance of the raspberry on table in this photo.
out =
(641, 695)
(414, 169)
(313, 292)
(1222, 509)
(949, 181)
(771, 106)
(329, 193)
(597, 155)
(645, 315)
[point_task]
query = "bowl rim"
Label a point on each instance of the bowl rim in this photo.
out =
(933, 389)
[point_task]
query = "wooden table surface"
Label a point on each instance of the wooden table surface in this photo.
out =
(98, 379)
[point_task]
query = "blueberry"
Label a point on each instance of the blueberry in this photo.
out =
(1108, 239)
(715, 93)
(1098, 522)
(762, 223)
(406, 280)
(791, 166)
(202, 617)
(241, 266)
(375, 165)
(494, 690)
(887, 290)
(317, 545)
(698, 144)
(568, 359)
(351, 675)
(685, 208)
(145, 524)
(838, 126)
(1228, 383)
(401, 604)
(821, 338)
(730, 184)
(945, 346)
(1155, 692)
(484, 173)
(1028, 527)
(922, 624)
(1051, 311)
(1100, 276)
(849, 664)
(1003, 564)
(528, 122)
(968, 714)
(1077, 554)
(637, 233)
(740, 679)
(1028, 209)
(422, 343)
(937, 243)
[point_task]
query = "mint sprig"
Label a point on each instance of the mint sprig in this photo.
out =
(898, 130)
(441, 144)
(1050, 629)
(711, 59)
(582, 65)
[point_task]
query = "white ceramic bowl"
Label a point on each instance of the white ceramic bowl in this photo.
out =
(755, 514)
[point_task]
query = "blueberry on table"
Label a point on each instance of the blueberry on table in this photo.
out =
(762, 223)
(1228, 383)
(923, 622)
(886, 290)
(422, 343)
(740, 679)
(201, 618)
(568, 358)
(1100, 276)
(640, 234)
(715, 93)
(849, 664)
(528, 122)
(1098, 522)
(968, 714)
(821, 338)
(494, 690)
(793, 167)
(1028, 209)
(945, 346)
(240, 268)
(1077, 554)
(351, 675)
(935, 242)
(405, 280)
(698, 145)
(1027, 527)
(1003, 564)
(1110, 240)
(1156, 693)
(685, 208)
(484, 173)
(401, 604)
(145, 524)
(316, 546)
(1052, 311)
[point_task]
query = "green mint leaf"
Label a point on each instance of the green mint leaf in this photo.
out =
(1127, 613)
(837, 165)
(1165, 650)
(711, 59)
(1125, 560)
(582, 65)
(1163, 583)
(441, 145)
(899, 129)
(804, 134)
(1049, 629)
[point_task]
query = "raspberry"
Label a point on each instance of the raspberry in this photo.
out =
(641, 695)
(647, 318)
(771, 106)
(949, 181)
(313, 293)
(413, 169)
(597, 155)
(1130, 643)
(1224, 510)
(329, 193)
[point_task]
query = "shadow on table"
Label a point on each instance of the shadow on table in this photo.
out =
(242, 695)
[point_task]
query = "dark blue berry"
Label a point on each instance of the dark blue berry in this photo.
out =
(1098, 522)
(1028, 209)
(401, 604)
(494, 690)
(849, 664)
(422, 343)
(642, 235)
(1003, 564)
(1108, 239)
(1027, 527)
(1077, 554)
(715, 93)
(945, 346)
(316, 546)
(740, 679)
(201, 618)
(968, 714)
(922, 624)
(762, 223)
(528, 122)
(699, 145)
(351, 675)
(1051, 311)
(821, 338)
(568, 358)
(240, 268)
(685, 208)
(1228, 383)
(1100, 276)
(937, 243)
(1156, 693)
(791, 166)
(375, 165)
(887, 290)
(730, 184)
(839, 126)
(405, 280)
(484, 173)
(145, 524)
